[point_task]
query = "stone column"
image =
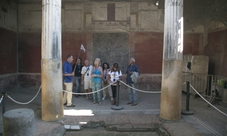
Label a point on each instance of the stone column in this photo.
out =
(52, 103)
(170, 107)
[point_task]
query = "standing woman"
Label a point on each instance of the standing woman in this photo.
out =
(105, 67)
(114, 75)
(97, 75)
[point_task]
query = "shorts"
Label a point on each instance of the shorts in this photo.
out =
(87, 85)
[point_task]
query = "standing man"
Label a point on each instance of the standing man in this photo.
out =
(132, 73)
(78, 67)
(68, 81)
(86, 78)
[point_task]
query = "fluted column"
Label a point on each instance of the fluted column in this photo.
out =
(52, 107)
(170, 108)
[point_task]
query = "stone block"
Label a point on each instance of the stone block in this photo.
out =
(195, 68)
(18, 122)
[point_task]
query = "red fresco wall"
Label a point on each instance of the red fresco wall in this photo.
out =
(191, 44)
(29, 53)
(71, 43)
(216, 49)
(224, 66)
(147, 47)
(30, 49)
(8, 51)
(149, 50)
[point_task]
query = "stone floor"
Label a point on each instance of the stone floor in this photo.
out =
(140, 120)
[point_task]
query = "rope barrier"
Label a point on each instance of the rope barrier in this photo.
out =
(139, 89)
(1, 99)
(89, 92)
(208, 101)
(110, 85)
(24, 103)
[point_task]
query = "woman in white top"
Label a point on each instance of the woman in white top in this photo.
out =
(114, 75)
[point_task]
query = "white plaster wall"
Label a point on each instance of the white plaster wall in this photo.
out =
(149, 17)
(73, 17)
(29, 17)
(8, 14)
(99, 11)
(216, 26)
(122, 11)
(92, 16)
(122, 17)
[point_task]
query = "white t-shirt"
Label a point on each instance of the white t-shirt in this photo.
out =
(87, 72)
(114, 75)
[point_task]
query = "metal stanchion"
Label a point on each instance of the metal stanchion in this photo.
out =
(117, 106)
(187, 112)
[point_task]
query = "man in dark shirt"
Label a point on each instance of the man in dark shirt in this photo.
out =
(132, 67)
(68, 81)
(78, 70)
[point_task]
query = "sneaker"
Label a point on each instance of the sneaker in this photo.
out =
(64, 103)
(94, 103)
(71, 105)
(129, 103)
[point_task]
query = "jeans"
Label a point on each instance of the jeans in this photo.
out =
(114, 90)
(78, 84)
(132, 94)
(95, 87)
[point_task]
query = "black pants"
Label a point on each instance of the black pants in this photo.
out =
(114, 90)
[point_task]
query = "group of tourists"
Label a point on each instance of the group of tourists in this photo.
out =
(94, 78)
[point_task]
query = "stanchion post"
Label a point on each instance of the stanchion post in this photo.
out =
(117, 106)
(187, 96)
(3, 103)
(187, 112)
(117, 99)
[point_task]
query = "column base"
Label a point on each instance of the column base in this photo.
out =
(187, 112)
(117, 107)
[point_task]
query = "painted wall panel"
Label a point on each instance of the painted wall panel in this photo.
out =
(8, 51)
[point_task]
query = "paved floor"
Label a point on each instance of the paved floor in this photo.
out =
(142, 119)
